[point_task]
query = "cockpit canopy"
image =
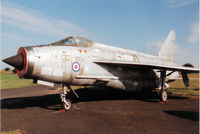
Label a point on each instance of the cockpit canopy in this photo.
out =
(75, 41)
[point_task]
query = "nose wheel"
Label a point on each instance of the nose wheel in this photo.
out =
(66, 103)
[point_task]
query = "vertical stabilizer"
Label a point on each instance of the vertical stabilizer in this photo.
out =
(167, 49)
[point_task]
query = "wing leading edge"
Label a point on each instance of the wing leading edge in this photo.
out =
(150, 66)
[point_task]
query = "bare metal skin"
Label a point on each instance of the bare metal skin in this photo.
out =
(79, 61)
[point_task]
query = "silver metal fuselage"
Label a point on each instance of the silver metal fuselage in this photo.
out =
(54, 63)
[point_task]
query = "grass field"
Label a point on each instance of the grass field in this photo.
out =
(194, 82)
(177, 87)
(10, 80)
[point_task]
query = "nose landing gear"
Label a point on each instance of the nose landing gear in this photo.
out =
(66, 103)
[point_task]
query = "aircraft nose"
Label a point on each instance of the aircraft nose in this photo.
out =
(15, 61)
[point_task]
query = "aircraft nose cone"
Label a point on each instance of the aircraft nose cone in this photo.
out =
(15, 61)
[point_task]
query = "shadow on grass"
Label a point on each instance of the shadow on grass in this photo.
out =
(86, 95)
(194, 116)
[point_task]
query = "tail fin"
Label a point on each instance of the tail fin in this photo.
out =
(166, 51)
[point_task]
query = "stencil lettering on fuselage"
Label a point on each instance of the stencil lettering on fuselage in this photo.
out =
(46, 71)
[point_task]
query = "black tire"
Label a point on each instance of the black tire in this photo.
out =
(67, 105)
(163, 95)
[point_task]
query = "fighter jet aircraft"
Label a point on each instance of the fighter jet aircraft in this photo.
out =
(78, 61)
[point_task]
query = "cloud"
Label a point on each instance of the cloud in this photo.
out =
(181, 55)
(194, 36)
(179, 3)
(15, 38)
(36, 22)
(155, 46)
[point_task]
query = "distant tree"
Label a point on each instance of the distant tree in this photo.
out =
(7, 69)
(188, 65)
(14, 71)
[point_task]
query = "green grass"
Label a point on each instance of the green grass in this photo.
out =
(9, 80)
(194, 84)
(184, 92)
(178, 88)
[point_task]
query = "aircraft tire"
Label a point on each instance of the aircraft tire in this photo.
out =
(163, 95)
(67, 105)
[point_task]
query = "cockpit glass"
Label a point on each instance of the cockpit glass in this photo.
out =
(69, 41)
(75, 41)
(83, 42)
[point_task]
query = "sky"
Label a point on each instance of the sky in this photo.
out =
(140, 25)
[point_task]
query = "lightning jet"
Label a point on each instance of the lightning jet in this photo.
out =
(78, 61)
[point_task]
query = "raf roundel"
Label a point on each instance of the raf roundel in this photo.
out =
(76, 66)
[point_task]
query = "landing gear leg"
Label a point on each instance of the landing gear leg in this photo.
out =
(66, 103)
(163, 88)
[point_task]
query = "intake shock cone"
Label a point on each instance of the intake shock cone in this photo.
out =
(15, 61)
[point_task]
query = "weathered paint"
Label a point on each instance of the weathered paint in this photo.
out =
(54, 63)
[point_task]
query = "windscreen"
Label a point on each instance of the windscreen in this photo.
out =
(83, 42)
(68, 41)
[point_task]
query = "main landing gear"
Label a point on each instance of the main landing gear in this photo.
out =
(163, 88)
(66, 103)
